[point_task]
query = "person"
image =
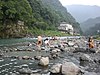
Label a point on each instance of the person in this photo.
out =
(91, 42)
(46, 41)
(55, 38)
(39, 43)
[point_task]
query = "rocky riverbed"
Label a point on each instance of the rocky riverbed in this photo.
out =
(67, 56)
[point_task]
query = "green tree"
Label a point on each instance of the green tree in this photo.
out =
(14, 10)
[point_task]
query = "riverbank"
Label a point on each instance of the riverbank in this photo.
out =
(27, 55)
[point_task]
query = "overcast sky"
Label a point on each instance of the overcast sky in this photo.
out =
(83, 2)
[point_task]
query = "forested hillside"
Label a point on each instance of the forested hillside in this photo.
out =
(19, 18)
(95, 30)
(86, 25)
(60, 12)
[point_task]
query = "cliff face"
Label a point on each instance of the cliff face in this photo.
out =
(17, 30)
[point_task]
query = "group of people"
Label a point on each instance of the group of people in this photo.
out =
(47, 41)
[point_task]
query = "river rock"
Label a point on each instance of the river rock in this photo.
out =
(91, 50)
(56, 68)
(69, 68)
(79, 49)
(13, 74)
(89, 73)
(36, 74)
(44, 61)
(55, 51)
(25, 57)
(25, 71)
(71, 44)
(85, 57)
(37, 57)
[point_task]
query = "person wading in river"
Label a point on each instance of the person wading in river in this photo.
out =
(39, 43)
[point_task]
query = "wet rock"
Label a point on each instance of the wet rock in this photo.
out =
(29, 49)
(25, 71)
(37, 57)
(80, 50)
(70, 44)
(91, 50)
(36, 74)
(67, 49)
(70, 49)
(1, 59)
(26, 57)
(42, 48)
(98, 51)
(15, 57)
(15, 49)
(54, 56)
(1, 54)
(55, 46)
(86, 57)
(51, 46)
(69, 68)
(29, 44)
(76, 46)
(55, 51)
(89, 73)
(56, 68)
(38, 48)
(60, 46)
(13, 74)
(44, 61)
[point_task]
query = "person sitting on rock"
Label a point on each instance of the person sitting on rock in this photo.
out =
(46, 42)
(91, 42)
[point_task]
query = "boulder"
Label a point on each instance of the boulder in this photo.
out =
(71, 44)
(86, 57)
(44, 61)
(56, 68)
(80, 49)
(55, 51)
(25, 71)
(26, 57)
(37, 57)
(89, 73)
(69, 68)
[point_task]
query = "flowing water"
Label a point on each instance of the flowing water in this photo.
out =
(10, 65)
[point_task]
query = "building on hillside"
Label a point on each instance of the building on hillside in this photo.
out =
(66, 28)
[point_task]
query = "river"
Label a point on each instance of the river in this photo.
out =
(9, 64)
(7, 42)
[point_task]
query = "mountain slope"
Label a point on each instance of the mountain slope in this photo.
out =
(95, 30)
(21, 17)
(90, 23)
(83, 12)
(61, 13)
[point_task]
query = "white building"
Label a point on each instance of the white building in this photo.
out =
(67, 28)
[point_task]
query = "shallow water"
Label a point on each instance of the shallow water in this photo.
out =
(11, 41)
(9, 65)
